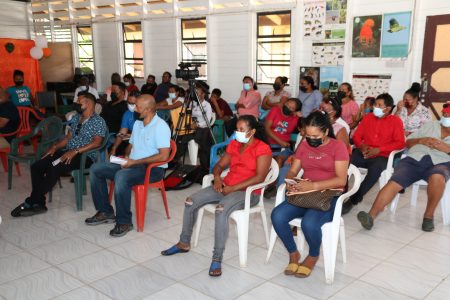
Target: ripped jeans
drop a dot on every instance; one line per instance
(225, 206)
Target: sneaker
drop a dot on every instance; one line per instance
(120, 230)
(101, 218)
(427, 224)
(27, 210)
(365, 219)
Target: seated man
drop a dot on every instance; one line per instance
(20, 94)
(378, 134)
(149, 143)
(86, 133)
(428, 159)
(126, 127)
(220, 106)
(112, 112)
(9, 119)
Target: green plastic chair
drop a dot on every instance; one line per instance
(48, 131)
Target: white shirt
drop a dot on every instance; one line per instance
(344, 124)
(197, 113)
(91, 90)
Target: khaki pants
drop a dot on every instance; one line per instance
(3, 143)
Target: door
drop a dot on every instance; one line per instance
(436, 63)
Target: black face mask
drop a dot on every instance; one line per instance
(314, 142)
(137, 116)
(114, 96)
(276, 86)
(18, 83)
(303, 89)
(341, 94)
(286, 111)
(78, 109)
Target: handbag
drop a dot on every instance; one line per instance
(320, 200)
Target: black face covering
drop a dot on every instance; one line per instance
(114, 96)
(78, 109)
(303, 89)
(341, 94)
(18, 82)
(286, 111)
(314, 142)
(137, 116)
(276, 86)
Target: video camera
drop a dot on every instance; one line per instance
(184, 72)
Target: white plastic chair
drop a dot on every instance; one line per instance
(332, 231)
(241, 217)
(193, 146)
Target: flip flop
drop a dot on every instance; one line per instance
(173, 250)
(303, 272)
(291, 269)
(215, 265)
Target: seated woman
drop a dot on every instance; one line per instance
(129, 81)
(413, 114)
(174, 101)
(248, 158)
(126, 127)
(428, 159)
(325, 162)
(278, 96)
(350, 108)
(333, 109)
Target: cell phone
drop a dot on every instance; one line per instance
(55, 162)
(290, 181)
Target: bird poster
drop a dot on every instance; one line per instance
(368, 85)
(330, 79)
(395, 36)
(328, 54)
(366, 36)
(314, 19)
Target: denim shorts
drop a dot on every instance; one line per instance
(409, 170)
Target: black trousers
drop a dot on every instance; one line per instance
(375, 166)
(44, 175)
(202, 137)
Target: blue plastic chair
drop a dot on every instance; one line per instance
(214, 156)
(263, 113)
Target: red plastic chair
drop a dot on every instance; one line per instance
(4, 153)
(140, 191)
(25, 126)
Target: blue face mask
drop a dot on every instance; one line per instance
(247, 86)
(378, 112)
(445, 121)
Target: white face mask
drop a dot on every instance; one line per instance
(131, 107)
(172, 95)
(445, 121)
(378, 112)
(127, 83)
(241, 138)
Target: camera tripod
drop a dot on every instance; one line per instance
(184, 123)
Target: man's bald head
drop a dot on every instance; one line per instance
(145, 105)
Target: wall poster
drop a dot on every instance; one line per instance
(314, 19)
(366, 36)
(314, 72)
(330, 79)
(328, 54)
(365, 85)
(395, 37)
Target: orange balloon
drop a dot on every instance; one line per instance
(47, 52)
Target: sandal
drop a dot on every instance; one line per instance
(303, 271)
(291, 269)
(173, 250)
(215, 266)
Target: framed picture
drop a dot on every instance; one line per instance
(330, 79)
(314, 72)
(395, 35)
(366, 36)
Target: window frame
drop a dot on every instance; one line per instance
(83, 43)
(202, 62)
(132, 60)
(275, 62)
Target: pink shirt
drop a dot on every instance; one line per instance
(252, 101)
(319, 163)
(349, 110)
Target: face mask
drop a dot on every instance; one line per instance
(18, 82)
(172, 95)
(303, 89)
(342, 94)
(114, 96)
(241, 138)
(131, 107)
(407, 105)
(276, 86)
(127, 83)
(367, 110)
(445, 121)
(137, 116)
(78, 108)
(286, 111)
(247, 86)
(314, 142)
(378, 112)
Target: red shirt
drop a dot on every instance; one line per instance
(319, 163)
(282, 125)
(384, 133)
(132, 88)
(243, 165)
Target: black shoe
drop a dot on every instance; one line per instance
(100, 218)
(270, 191)
(121, 229)
(402, 191)
(27, 210)
(365, 219)
(347, 207)
(427, 225)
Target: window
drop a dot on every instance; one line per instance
(273, 46)
(193, 43)
(133, 50)
(85, 49)
(62, 33)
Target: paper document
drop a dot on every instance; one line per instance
(117, 160)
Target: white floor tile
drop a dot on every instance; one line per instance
(178, 291)
(83, 293)
(363, 290)
(368, 245)
(18, 265)
(140, 249)
(273, 291)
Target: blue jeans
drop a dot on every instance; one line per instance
(312, 221)
(124, 180)
(282, 173)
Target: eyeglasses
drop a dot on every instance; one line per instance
(77, 130)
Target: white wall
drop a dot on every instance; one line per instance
(14, 20)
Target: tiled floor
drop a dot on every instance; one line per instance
(56, 256)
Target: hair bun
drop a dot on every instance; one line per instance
(415, 87)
